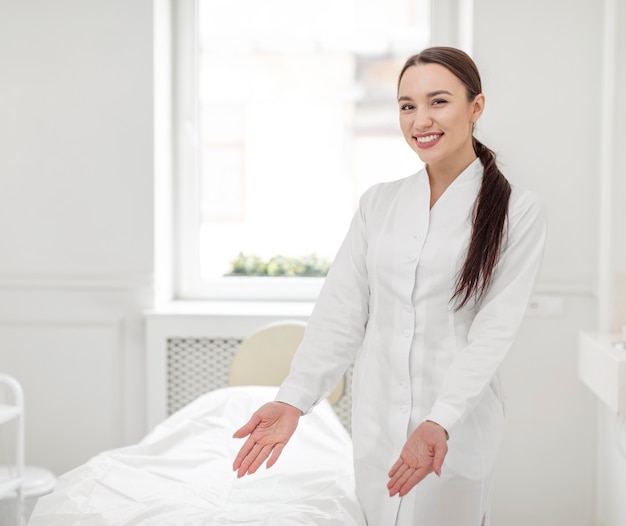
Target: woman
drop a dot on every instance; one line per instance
(425, 295)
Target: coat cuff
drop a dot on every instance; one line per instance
(443, 415)
(295, 397)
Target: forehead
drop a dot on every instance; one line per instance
(427, 78)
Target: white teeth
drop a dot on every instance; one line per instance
(428, 138)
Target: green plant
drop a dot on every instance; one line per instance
(253, 265)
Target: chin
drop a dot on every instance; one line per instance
(426, 158)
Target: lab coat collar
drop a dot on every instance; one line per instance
(471, 174)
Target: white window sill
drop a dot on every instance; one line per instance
(233, 308)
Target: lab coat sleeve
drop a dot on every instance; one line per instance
(499, 315)
(336, 327)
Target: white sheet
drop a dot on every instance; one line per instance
(181, 474)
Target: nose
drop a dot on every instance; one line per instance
(423, 120)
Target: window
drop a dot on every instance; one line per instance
(284, 114)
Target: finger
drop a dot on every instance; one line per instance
(398, 472)
(395, 467)
(278, 449)
(440, 455)
(246, 429)
(243, 453)
(416, 477)
(249, 459)
(397, 483)
(263, 453)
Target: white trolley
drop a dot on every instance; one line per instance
(12, 410)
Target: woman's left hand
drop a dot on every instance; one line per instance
(422, 454)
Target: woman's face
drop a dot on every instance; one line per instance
(435, 116)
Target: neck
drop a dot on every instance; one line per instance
(444, 172)
(441, 175)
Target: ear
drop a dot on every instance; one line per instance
(478, 105)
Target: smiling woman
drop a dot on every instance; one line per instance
(425, 296)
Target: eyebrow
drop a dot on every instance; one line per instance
(428, 95)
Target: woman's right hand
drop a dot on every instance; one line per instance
(269, 430)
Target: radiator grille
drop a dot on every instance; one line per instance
(198, 365)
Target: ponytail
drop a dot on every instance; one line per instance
(489, 219)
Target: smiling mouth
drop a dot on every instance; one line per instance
(427, 141)
(428, 138)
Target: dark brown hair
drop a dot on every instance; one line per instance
(489, 217)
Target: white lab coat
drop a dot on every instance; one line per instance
(386, 306)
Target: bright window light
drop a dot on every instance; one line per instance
(286, 115)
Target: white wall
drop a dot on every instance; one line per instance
(75, 219)
(76, 227)
(542, 67)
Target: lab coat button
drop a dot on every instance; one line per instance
(408, 308)
(404, 385)
(404, 408)
(406, 332)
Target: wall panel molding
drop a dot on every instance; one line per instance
(90, 283)
(89, 336)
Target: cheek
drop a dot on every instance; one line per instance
(461, 124)
(405, 126)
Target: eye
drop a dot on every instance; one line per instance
(439, 102)
(407, 107)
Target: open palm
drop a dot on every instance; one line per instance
(422, 454)
(268, 431)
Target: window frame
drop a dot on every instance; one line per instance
(185, 282)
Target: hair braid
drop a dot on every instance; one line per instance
(488, 227)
